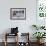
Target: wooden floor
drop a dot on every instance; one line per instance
(13, 44)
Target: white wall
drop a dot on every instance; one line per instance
(24, 25)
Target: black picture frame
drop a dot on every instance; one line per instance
(18, 13)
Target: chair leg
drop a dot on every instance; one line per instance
(5, 43)
(5, 39)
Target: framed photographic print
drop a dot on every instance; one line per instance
(18, 13)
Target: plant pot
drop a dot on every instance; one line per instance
(40, 41)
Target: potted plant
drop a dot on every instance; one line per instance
(39, 35)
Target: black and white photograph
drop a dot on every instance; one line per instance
(18, 13)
